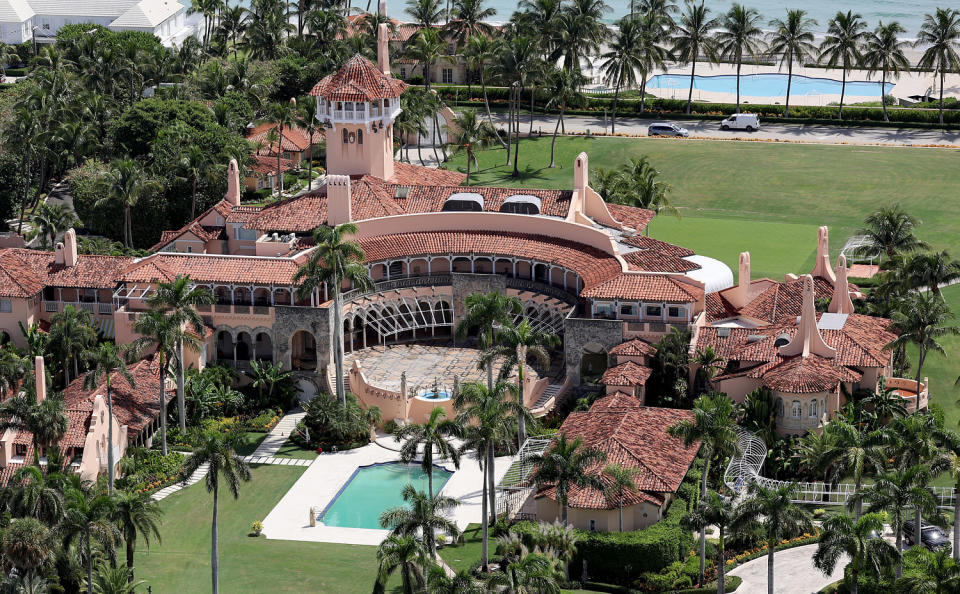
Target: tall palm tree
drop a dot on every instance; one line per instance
(619, 478)
(49, 221)
(532, 572)
(426, 48)
(564, 90)
(516, 60)
(936, 573)
(137, 516)
(425, 13)
(406, 553)
(125, 183)
(307, 120)
(284, 115)
(940, 33)
(951, 464)
(45, 421)
(106, 361)
(715, 510)
(217, 451)
(842, 535)
(180, 298)
(485, 412)
(37, 494)
(478, 52)
(334, 261)
(581, 31)
(792, 39)
(487, 312)
(883, 52)
(468, 21)
(622, 60)
(157, 331)
(28, 544)
(72, 333)
(88, 518)
(194, 165)
(890, 229)
(857, 452)
(740, 34)
(652, 52)
(713, 425)
(514, 344)
(424, 515)
(931, 270)
(693, 38)
(843, 46)
(772, 512)
(922, 321)
(468, 133)
(436, 433)
(566, 465)
(266, 377)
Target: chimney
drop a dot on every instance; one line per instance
(70, 248)
(822, 266)
(383, 45)
(58, 253)
(233, 183)
(338, 200)
(740, 294)
(581, 173)
(841, 301)
(808, 339)
(40, 377)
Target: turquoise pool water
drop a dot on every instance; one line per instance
(374, 489)
(767, 85)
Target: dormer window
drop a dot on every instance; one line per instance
(464, 202)
(521, 204)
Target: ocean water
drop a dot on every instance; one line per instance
(768, 85)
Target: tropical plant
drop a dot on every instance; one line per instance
(934, 573)
(87, 519)
(306, 118)
(843, 46)
(479, 51)
(485, 312)
(693, 38)
(564, 86)
(527, 573)
(330, 421)
(49, 221)
(468, 133)
(423, 515)
(890, 229)
(138, 517)
(269, 378)
(714, 510)
(157, 331)
(107, 361)
(45, 421)
(406, 553)
(29, 546)
(125, 183)
(883, 52)
(334, 260)
(619, 478)
(792, 40)
(623, 59)
(436, 433)
(425, 13)
(114, 580)
(739, 34)
(36, 494)
(71, 334)
(940, 35)
(566, 465)
(426, 48)
(857, 452)
(637, 183)
(223, 464)
(931, 270)
(922, 321)
(194, 165)
(469, 20)
(843, 535)
(581, 31)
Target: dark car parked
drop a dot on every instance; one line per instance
(932, 537)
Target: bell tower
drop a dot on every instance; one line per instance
(358, 106)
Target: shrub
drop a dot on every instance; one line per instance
(17, 72)
(149, 470)
(256, 528)
(332, 424)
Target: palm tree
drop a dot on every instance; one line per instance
(479, 51)
(651, 52)
(532, 572)
(105, 361)
(856, 452)
(891, 229)
(45, 421)
(842, 535)
(931, 270)
(7, 56)
(114, 580)
(514, 344)
(125, 183)
(426, 48)
(425, 13)
(469, 18)
(940, 33)
(487, 312)
(709, 365)
(49, 221)
(36, 494)
(564, 466)
(485, 413)
(883, 52)
(713, 425)
(623, 60)
(436, 433)
(895, 493)
(693, 38)
(739, 35)
(88, 518)
(335, 260)
(424, 515)
(266, 376)
(217, 452)
(714, 510)
(194, 164)
(406, 553)
(29, 545)
(951, 462)
(307, 119)
(619, 479)
(137, 516)
(772, 512)
(564, 91)
(233, 23)
(581, 31)
(157, 331)
(284, 115)
(179, 298)
(438, 582)
(13, 366)
(921, 321)
(843, 45)
(792, 39)
(72, 333)
(936, 573)
(469, 134)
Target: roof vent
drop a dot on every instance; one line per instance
(781, 340)
(401, 192)
(755, 338)
(723, 332)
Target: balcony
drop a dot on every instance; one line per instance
(97, 308)
(915, 394)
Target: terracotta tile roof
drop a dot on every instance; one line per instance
(294, 138)
(806, 375)
(91, 272)
(634, 348)
(626, 374)
(78, 425)
(631, 216)
(718, 308)
(649, 243)
(242, 214)
(401, 32)
(8, 472)
(430, 198)
(652, 261)
(592, 265)
(641, 286)
(209, 268)
(202, 232)
(17, 279)
(358, 80)
(618, 401)
(408, 174)
(635, 438)
(267, 165)
(781, 302)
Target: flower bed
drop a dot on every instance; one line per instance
(151, 471)
(757, 552)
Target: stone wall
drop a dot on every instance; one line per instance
(578, 332)
(465, 284)
(316, 320)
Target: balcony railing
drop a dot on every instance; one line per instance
(93, 307)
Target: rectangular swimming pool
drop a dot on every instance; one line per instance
(371, 490)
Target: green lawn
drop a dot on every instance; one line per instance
(465, 554)
(249, 442)
(292, 450)
(182, 562)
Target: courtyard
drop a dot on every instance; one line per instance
(424, 365)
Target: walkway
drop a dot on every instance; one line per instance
(278, 436)
(793, 570)
(170, 490)
(254, 459)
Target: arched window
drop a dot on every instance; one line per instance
(796, 409)
(813, 408)
(359, 136)
(346, 137)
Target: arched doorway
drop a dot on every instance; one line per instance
(224, 346)
(263, 347)
(593, 361)
(303, 351)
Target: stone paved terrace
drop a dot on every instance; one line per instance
(423, 363)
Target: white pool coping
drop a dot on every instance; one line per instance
(322, 481)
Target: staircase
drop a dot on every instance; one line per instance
(272, 443)
(548, 400)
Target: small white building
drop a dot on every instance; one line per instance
(24, 20)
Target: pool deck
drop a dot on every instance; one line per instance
(320, 483)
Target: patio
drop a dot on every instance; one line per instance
(424, 364)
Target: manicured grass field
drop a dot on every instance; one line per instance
(249, 442)
(292, 450)
(182, 562)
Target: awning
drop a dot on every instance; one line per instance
(104, 327)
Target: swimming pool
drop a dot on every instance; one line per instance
(371, 490)
(766, 85)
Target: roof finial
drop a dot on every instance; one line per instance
(841, 301)
(808, 340)
(822, 266)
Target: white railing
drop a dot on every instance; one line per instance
(93, 307)
(514, 488)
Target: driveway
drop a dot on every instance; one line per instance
(793, 570)
(784, 132)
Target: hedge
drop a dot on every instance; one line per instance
(732, 583)
(16, 72)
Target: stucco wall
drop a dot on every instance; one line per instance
(635, 517)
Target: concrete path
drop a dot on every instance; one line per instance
(274, 440)
(794, 573)
(192, 480)
(254, 459)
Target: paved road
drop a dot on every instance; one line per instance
(794, 573)
(786, 132)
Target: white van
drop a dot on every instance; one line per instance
(741, 121)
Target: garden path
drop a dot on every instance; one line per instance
(794, 572)
(274, 440)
